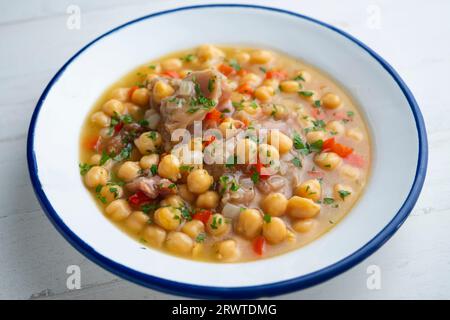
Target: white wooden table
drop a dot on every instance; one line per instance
(35, 42)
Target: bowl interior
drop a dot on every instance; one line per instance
(393, 130)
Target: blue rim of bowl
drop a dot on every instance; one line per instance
(270, 289)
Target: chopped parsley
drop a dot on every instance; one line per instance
(317, 103)
(267, 218)
(84, 168)
(234, 64)
(264, 70)
(238, 105)
(114, 191)
(211, 84)
(234, 186)
(297, 162)
(143, 123)
(200, 237)
(350, 114)
(316, 146)
(149, 207)
(186, 167)
(154, 169)
(125, 153)
(306, 93)
(98, 195)
(105, 157)
(214, 223)
(127, 119)
(186, 213)
(344, 193)
(255, 177)
(328, 200)
(152, 135)
(188, 58)
(299, 78)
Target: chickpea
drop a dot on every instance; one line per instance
(304, 225)
(327, 160)
(274, 204)
(264, 93)
(193, 228)
(310, 189)
(208, 52)
(140, 97)
(261, 57)
(101, 119)
(250, 78)
(208, 200)
(314, 136)
(179, 243)
(152, 76)
(246, 151)
(184, 73)
(268, 154)
(305, 75)
(169, 167)
(113, 107)
(251, 108)
(118, 210)
(199, 181)
(171, 64)
(174, 201)
(148, 142)
(121, 94)
(136, 221)
(96, 176)
(350, 172)
(242, 57)
(217, 225)
(154, 235)
(161, 90)
(148, 161)
(250, 223)
(355, 134)
(227, 250)
(277, 111)
(168, 218)
(274, 231)
(227, 128)
(335, 127)
(342, 192)
(331, 101)
(289, 86)
(299, 207)
(111, 192)
(95, 159)
(273, 83)
(280, 141)
(135, 111)
(185, 194)
(129, 170)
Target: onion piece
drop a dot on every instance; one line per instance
(231, 211)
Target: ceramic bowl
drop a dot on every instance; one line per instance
(395, 122)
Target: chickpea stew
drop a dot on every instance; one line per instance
(225, 154)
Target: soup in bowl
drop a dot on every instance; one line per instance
(225, 154)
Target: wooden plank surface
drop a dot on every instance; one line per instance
(35, 42)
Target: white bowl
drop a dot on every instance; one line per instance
(396, 125)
